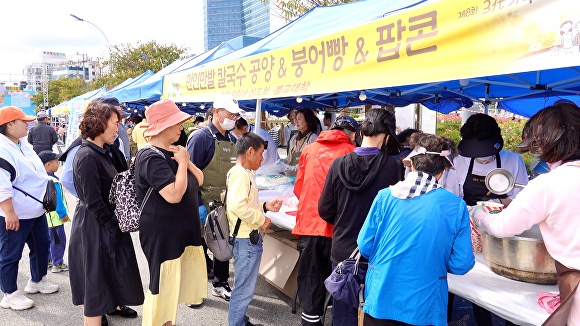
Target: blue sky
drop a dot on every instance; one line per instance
(33, 26)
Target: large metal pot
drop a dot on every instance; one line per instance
(523, 257)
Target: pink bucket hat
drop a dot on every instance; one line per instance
(162, 115)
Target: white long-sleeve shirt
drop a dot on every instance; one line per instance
(30, 177)
(551, 201)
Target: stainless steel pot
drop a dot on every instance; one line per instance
(523, 257)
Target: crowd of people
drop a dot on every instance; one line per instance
(414, 192)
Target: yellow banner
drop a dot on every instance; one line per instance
(440, 41)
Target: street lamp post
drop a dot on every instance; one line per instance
(86, 21)
(106, 38)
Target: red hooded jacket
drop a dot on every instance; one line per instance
(313, 167)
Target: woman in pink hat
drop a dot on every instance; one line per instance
(170, 231)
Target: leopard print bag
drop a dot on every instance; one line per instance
(123, 195)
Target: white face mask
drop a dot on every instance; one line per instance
(227, 124)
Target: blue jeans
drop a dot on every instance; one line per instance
(247, 257)
(57, 250)
(33, 232)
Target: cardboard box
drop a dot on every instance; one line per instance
(280, 261)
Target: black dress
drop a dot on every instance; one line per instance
(170, 237)
(103, 266)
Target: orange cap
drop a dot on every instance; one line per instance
(11, 113)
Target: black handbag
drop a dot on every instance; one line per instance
(49, 200)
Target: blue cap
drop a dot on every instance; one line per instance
(345, 122)
(114, 102)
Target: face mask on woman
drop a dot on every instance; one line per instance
(227, 124)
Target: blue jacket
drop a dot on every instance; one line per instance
(411, 245)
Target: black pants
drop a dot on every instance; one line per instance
(221, 269)
(370, 321)
(313, 268)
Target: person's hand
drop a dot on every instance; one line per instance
(291, 170)
(274, 205)
(266, 225)
(180, 154)
(65, 218)
(12, 221)
(473, 214)
(505, 202)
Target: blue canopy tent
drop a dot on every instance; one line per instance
(118, 91)
(317, 22)
(529, 105)
(138, 95)
(476, 57)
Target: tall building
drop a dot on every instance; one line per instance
(56, 65)
(224, 20)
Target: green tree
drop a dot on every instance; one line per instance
(61, 90)
(127, 61)
(292, 9)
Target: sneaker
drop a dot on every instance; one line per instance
(222, 290)
(59, 268)
(43, 287)
(16, 301)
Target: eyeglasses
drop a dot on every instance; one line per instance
(232, 116)
(419, 150)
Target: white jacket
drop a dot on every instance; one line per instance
(30, 177)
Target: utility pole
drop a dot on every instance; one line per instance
(44, 81)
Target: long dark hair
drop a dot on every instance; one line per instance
(311, 120)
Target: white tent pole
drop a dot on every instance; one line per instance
(258, 122)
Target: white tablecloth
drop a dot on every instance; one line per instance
(281, 219)
(512, 300)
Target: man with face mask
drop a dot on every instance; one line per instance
(212, 149)
(316, 234)
(357, 178)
